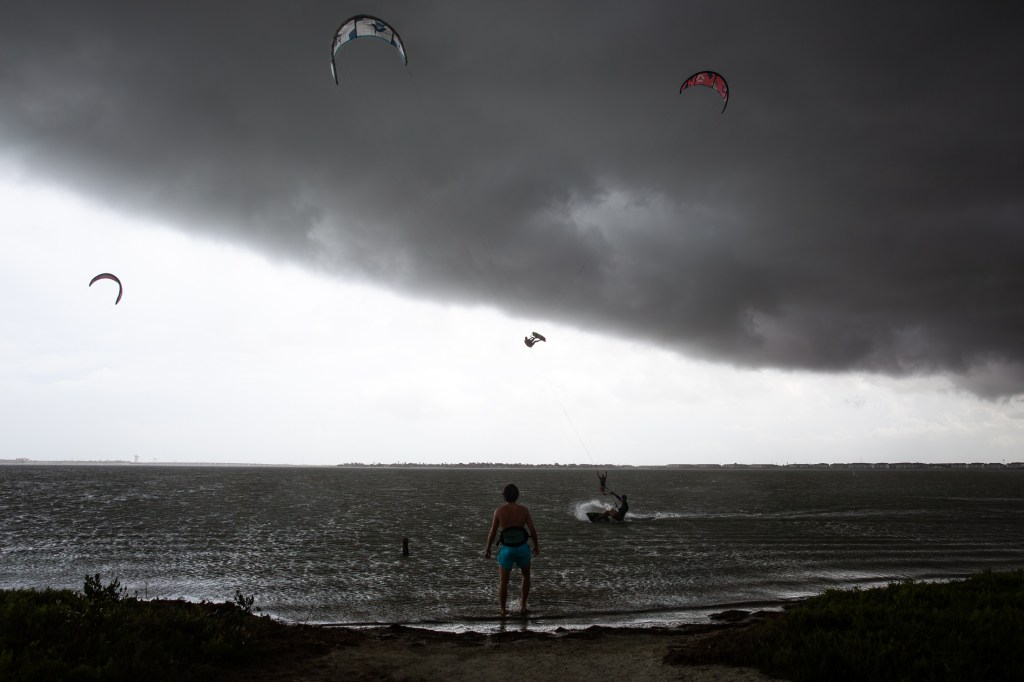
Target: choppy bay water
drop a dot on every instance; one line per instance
(323, 545)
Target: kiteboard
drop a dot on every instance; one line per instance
(597, 517)
(539, 337)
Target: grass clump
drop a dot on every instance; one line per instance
(105, 634)
(969, 629)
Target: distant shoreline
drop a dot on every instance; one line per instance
(506, 465)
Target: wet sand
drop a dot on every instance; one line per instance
(320, 653)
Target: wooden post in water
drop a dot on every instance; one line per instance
(405, 546)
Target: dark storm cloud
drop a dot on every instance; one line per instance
(858, 205)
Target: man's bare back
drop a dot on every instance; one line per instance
(512, 515)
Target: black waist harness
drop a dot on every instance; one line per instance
(513, 537)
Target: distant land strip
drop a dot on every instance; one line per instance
(556, 465)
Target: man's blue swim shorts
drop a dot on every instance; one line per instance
(514, 556)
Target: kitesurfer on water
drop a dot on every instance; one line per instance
(602, 481)
(513, 519)
(621, 508)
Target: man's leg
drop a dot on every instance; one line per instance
(526, 589)
(502, 589)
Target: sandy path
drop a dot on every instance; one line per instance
(408, 654)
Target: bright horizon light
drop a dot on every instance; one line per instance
(219, 354)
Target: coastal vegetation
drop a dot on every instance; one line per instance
(102, 633)
(968, 629)
(957, 630)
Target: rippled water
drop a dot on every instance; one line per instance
(324, 544)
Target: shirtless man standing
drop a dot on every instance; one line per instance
(513, 519)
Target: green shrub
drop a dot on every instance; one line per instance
(243, 602)
(962, 630)
(96, 593)
(102, 634)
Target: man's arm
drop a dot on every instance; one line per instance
(490, 536)
(533, 533)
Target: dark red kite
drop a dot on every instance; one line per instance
(711, 79)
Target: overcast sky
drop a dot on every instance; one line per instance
(830, 270)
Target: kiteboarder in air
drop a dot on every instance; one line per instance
(602, 481)
(620, 512)
(532, 339)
